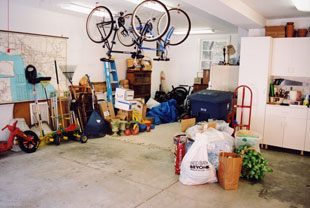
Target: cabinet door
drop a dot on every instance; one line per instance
(281, 57)
(307, 141)
(273, 132)
(254, 68)
(300, 57)
(294, 133)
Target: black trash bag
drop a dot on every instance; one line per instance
(96, 126)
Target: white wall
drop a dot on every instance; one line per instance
(185, 58)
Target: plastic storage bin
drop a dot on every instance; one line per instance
(207, 104)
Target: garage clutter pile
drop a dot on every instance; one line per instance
(207, 148)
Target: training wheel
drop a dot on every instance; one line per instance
(83, 138)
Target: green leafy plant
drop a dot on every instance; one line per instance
(254, 165)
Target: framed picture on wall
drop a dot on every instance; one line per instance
(211, 51)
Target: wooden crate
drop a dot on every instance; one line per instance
(275, 31)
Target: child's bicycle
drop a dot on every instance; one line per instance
(28, 141)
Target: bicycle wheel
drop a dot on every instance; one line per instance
(125, 33)
(149, 12)
(99, 24)
(180, 26)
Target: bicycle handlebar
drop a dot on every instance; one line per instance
(11, 128)
(5, 127)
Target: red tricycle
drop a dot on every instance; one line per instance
(28, 141)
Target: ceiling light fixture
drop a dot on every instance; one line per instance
(195, 32)
(302, 5)
(82, 9)
(154, 7)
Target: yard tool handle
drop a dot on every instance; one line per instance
(56, 72)
(60, 105)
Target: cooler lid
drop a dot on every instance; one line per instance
(212, 96)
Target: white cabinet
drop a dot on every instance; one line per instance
(290, 57)
(224, 77)
(294, 133)
(274, 129)
(285, 127)
(307, 141)
(254, 70)
(281, 56)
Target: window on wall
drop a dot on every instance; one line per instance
(212, 52)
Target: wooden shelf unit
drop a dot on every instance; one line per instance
(140, 82)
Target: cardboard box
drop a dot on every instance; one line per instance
(141, 107)
(275, 31)
(127, 105)
(208, 125)
(124, 115)
(230, 165)
(124, 83)
(131, 65)
(197, 80)
(124, 94)
(186, 123)
(107, 111)
(100, 86)
(206, 76)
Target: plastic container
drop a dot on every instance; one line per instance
(208, 104)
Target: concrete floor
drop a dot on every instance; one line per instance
(137, 171)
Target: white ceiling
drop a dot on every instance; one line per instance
(200, 17)
(272, 9)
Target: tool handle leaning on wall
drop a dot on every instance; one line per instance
(60, 105)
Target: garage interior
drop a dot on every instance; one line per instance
(219, 119)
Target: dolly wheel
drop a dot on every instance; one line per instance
(57, 139)
(83, 138)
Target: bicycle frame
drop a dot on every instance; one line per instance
(138, 41)
(162, 46)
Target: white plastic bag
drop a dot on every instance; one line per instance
(217, 142)
(195, 167)
(252, 141)
(151, 103)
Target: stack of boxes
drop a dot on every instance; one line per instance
(124, 101)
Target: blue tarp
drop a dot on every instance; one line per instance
(166, 112)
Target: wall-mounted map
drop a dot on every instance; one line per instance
(6, 68)
(25, 49)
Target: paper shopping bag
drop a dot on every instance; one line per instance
(230, 165)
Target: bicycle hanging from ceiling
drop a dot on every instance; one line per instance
(151, 21)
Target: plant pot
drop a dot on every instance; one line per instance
(302, 32)
(290, 29)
